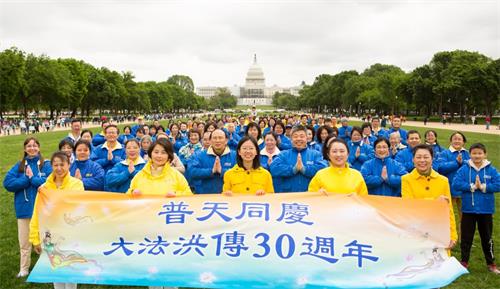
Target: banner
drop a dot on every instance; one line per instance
(299, 240)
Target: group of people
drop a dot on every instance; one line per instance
(258, 156)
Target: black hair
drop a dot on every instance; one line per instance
(195, 131)
(328, 144)
(134, 140)
(477, 145)
(358, 129)
(279, 123)
(365, 125)
(59, 155)
(75, 120)
(166, 144)
(66, 142)
(84, 142)
(85, 131)
(127, 126)
(423, 147)
(459, 133)
(253, 124)
(379, 140)
(275, 136)
(256, 159)
(320, 130)
(141, 130)
(412, 131)
(208, 124)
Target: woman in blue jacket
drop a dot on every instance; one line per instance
(126, 135)
(359, 152)
(477, 181)
(450, 161)
(269, 153)
(89, 172)
(383, 174)
(284, 142)
(119, 177)
(431, 139)
(23, 179)
(255, 131)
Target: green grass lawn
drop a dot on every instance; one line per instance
(11, 151)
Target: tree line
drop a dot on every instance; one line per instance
(29, 82)
(461, 82)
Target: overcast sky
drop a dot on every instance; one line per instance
(214, 41)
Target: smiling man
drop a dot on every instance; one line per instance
(296, 167)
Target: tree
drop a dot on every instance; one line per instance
(222, 99)
(80, 80)
(12, 78)
(185, 82)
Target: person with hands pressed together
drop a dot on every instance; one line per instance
(207, 167)
(296, 167)
(111, 151)
(478, 181)
(119, 177)
(86, 170)
(24, 179)
(247, 177)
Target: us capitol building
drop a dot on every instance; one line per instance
(254, 92)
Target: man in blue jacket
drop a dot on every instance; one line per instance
(345, 130)
(405, 157)
(111, 151)
(233, 136)
(297, 166)
(206, 168)
(396, 126)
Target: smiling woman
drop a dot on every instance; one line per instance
(247, 177)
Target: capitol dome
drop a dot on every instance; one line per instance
(255, 76)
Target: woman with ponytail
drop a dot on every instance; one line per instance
(23, 179)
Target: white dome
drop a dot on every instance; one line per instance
(255, 75)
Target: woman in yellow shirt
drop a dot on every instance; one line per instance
(425, 183)
(338, 177)
(247, 177)
(59, 179)
(158, 177)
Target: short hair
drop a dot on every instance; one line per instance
(412, 132)
(256, 159)
(328, 144)
(75, 120)
(365, 125)
(423, 147)
(253, 124)
(127, 126)
(82, 142)
(59, 155)
(195, 131)
(459, 133)
(299, 128)
(478, 145)
(167, 146)
(146, 137)
(66, 142)
(104, 121)
(112, 126)
(134, 140)
(379, 140)
(358, 129)
(274, 135)
(279, 123)
(87, 131)
(141, 130)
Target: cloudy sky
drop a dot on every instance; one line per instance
(214, 41)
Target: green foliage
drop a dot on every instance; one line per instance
(32, 82)
(222, 99)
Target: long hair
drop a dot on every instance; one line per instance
(22, 163)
